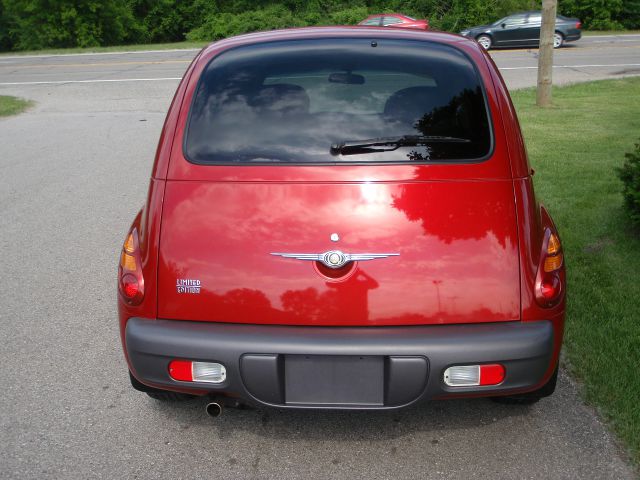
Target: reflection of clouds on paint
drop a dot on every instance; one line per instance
(286, 213)
(464, 277)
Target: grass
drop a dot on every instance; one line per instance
(117, 48)
(575, 147)
(12, 105)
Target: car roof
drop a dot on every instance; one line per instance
(336, 32)
(532, 12)
(389, 14)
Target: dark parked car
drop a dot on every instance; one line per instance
(342, 218)
(394, 20)
(523, 30)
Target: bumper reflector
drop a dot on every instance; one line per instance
(491, 374)
(209, 372)
(462, 375)
(187, 371)
(474, 375)
(180, 370)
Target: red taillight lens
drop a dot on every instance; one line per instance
(491, 374)
(579, 25)
(550, 288)
(130, 286)
(181, 370)
(131, 281)
(549, 281)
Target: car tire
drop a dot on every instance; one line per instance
(531, 397)
(558, 40)
(157, 394)
(485, 41)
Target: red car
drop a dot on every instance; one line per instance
(394, 20)
(342, 218)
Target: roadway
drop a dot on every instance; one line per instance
(74, 170)
(591, 58)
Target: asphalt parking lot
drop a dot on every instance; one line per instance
(74, 172)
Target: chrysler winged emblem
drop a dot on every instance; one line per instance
(335, 258)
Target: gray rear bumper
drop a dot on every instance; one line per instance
(414, 357)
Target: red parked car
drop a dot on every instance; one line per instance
(394, 20)
(342, 218)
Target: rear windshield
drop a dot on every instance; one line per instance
(338, 101)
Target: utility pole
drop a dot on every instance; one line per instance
(545, 53)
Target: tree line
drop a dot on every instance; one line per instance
(38, 24)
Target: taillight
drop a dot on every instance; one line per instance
(130, 280)
(549, 282)
(188, 371)
(474, 375)
(579, 25)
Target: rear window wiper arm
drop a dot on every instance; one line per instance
(388, 144)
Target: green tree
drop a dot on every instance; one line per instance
(629, 15)
(35, 24)
(629, 173)
(5, 41)
(170, 20)
(595, 14)
(225, 24)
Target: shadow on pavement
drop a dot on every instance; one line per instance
(341, 425)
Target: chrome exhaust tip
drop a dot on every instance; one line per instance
(214, 409)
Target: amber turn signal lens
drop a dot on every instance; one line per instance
(131, 281)
(128, 262)
(129, 245)
(554, 245)
(551, 264)
(550, 278)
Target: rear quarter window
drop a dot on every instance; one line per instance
(334, 101)
(371, 21)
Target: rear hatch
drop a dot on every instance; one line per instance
(456, 243)
(256, 190)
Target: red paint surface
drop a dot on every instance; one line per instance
(456, 263)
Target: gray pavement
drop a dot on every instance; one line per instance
(74, 171)
(591, 58)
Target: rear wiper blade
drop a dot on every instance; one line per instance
(388, 144)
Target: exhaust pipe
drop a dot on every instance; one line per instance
(214, 409)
